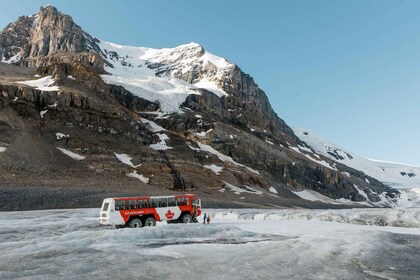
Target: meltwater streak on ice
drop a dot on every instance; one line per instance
(409, 218)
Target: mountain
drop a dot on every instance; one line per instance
(404, 177)
(397, 175)
(93, 119)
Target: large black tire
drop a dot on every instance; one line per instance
(135, 223)
(186, 219)
(150, 222)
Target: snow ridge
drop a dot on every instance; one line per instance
(396, 175)
(164, 75)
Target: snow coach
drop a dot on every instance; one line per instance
(137, 212)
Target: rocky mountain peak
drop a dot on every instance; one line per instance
(44, 37)
(14, 38)
(55, 32)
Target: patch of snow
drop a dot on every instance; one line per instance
(193, 148)
(198, 116)
(53, 105)
(170, 93)
(269, 142)
(44, 84)
(273, 190)
(126, 159)
(361, 192)
(60, 135)
(71, 154)
(162, 144)
(385, 218)
(42, 113)
(71, 77)
(315, 196)
(14, 58)
(203, 133)
(2, 149)
(321, 162)
(134, 174)
(210, 86)
(154, 127)
(391, 162)
(242, 189)
(223, 157)
(15, 99)
(409, 198)
(219, 62)
(346, 173)
(216, 169)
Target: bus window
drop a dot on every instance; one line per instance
(153, 203)
(163, 202)
(180, 201)
(119, 205)
(105, 208)
(142, 203)
(131, 204)
(171, 201)
(187, 201)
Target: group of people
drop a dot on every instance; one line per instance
(206, 218)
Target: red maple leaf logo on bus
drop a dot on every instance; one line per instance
(169, 214)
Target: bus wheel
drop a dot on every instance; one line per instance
(150, 222)
(135, 223)
(186, 218)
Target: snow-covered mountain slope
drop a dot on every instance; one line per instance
(167, 75)
(396, 175)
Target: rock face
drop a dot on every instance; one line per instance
(14, 38)
(54, 32)
(224, 134)
(47, 37)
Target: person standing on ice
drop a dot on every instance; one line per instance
(208, 219)
(205, 218)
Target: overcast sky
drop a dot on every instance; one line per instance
(346, 70)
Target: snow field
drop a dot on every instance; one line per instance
(238, 244)
(45, 84)
(134, 174)
(126, 159)
(161, 145)
(406, 218)
(131, 70)
(71, 154)
(389, 173)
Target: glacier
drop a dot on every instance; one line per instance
(237, 244)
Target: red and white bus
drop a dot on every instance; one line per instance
(142, 211)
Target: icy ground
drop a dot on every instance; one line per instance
(238, 244)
